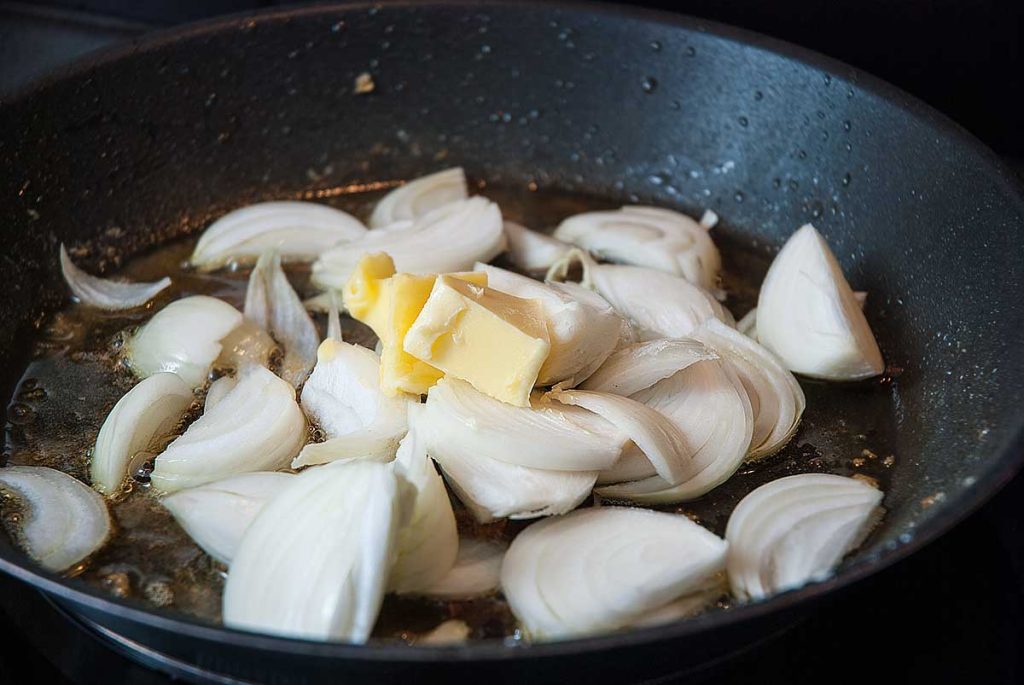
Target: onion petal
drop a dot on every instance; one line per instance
(641, 365)
(272, 304)
(428, 542)
(314, 562)
(601, 569)
(808, 315)
(146, 414)
(298, 231)
(184, 338)
(256, 426)
(795, 530)
(775, 396)
(477, 571)
(216, 515)
(450, 238)
(650, 237)
(104, 293)
(420, 196)
(532, 251)
(62, 522)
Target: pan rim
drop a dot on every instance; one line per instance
(1010, 453)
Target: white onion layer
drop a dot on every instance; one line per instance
(62, 522)
(147, 413)
(647, 236)
(298, 231)
(272, 304)
(776, 398)
(532, 251)
(315, 561)
(477, 571)
(216, 515)
(796, 530)
(808, 315)
(420, 196)
(104, 293)
(600, 569)
(256, 426)
(450, 238)
(344, 398)
(427, 542)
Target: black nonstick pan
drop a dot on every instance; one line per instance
(157, 136)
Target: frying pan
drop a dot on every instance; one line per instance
(157, 136)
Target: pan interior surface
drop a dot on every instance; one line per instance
(149, 143)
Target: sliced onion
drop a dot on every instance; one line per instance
(315, 561)
(344, 398)
(216, 515)
(583, 329)
(104, 293)
(62, 521)
(450, 238)
(601, 569)
(685, 607)
(412, 200)
(298, 231)
(708, 403)
(533, 251)
(650, 237)
(451, 632)
(256, 426)
(184, 338)
(661, 441)
(808, 314)
(775, 396)
(641, 365)
(658, 304)
(272, 304)
(468, 423)
(148, 413)
(218, 390)
(427, 542)
(748, 324)
(477, 571)
(333, 317)
(795, 530)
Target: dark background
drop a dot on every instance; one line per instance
(953, 613)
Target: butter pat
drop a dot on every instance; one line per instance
(494, 341)
(367, 292)
(389, 303)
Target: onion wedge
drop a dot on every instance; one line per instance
(420, 196)
(298, 231)
(344, 398)
(775, 396)
(532, 251)
(62, 522)
(450, 238)
(314, 562)
(641, 365)
(601, 569)
(709, 404)
(147, 413)
(650, 237)
(216, 515)
(795, 530)
(427, 542)
(477, 571)
(271, 303)
(256, 426)
(677, 309)
(808, 315)
(184, 338)
(104, 293)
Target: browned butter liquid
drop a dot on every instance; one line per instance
(75, 377)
